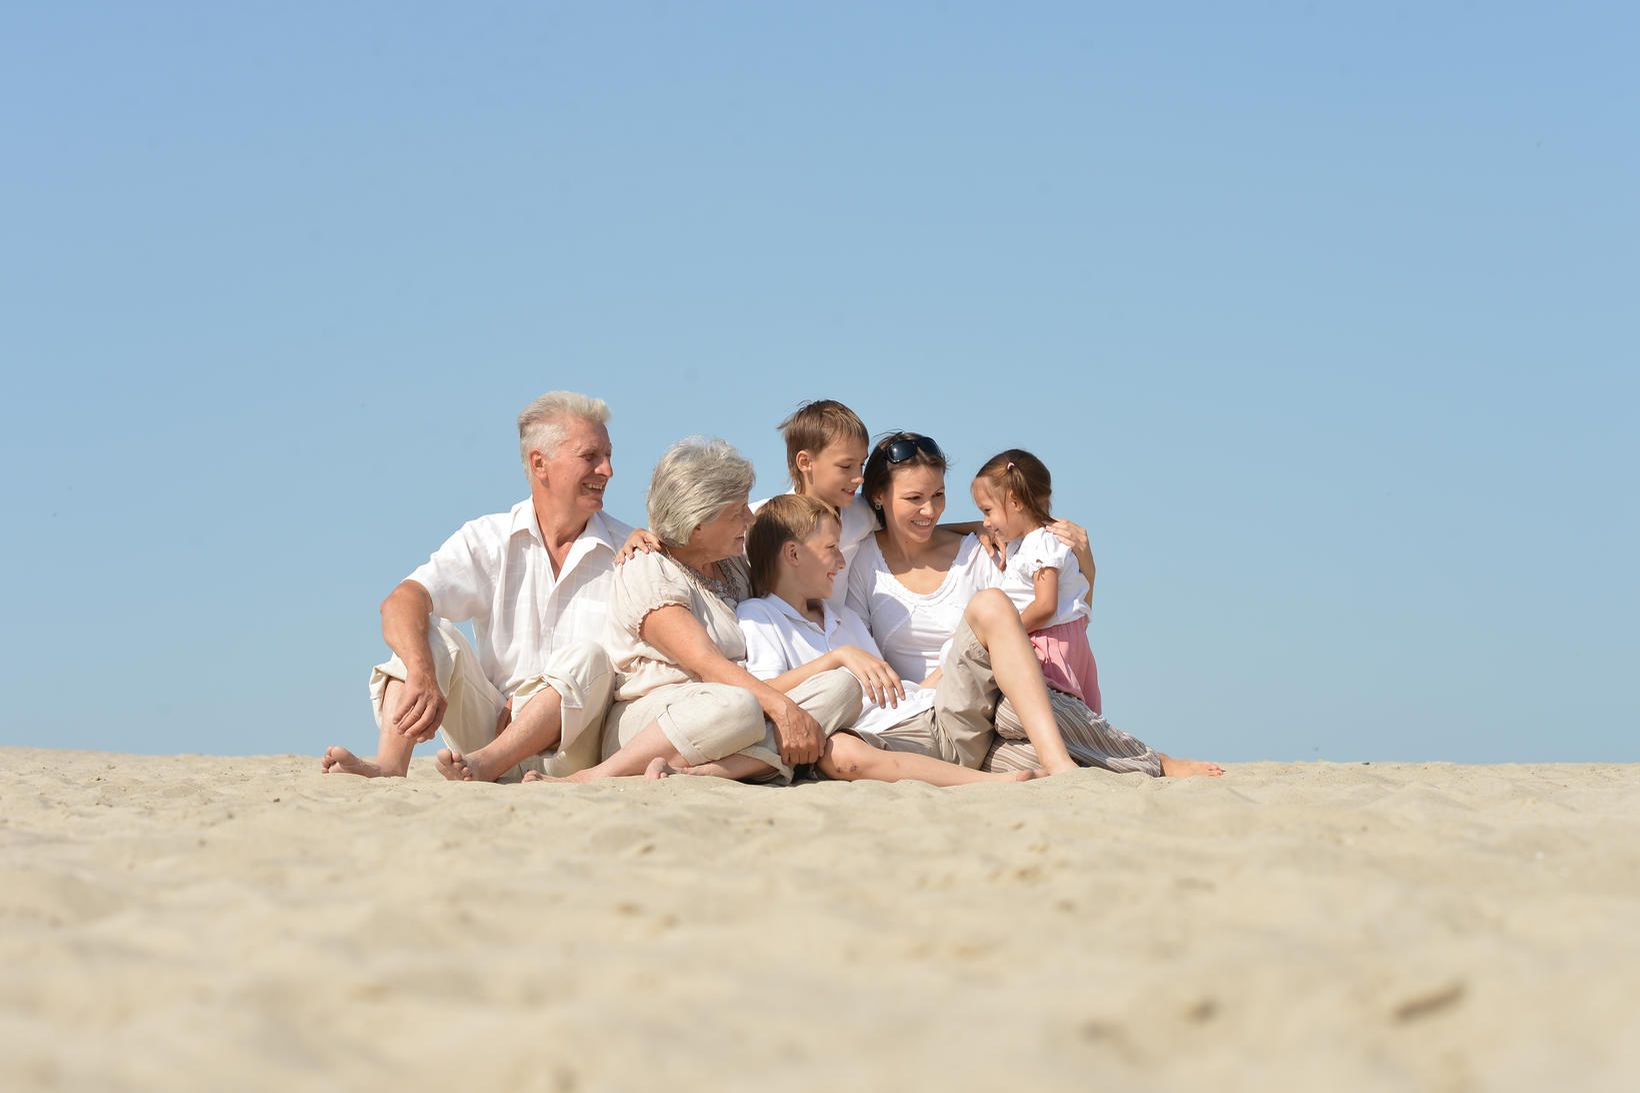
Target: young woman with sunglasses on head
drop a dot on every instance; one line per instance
(927, 593)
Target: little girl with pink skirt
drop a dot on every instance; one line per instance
(1042, 577)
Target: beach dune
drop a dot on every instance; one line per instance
(246, 923)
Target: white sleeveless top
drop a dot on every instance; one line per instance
(912, 629)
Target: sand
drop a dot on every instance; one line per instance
(246, 923)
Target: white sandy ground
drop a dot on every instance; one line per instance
(198, 922)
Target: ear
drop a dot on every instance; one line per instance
(538, 465)
(804, 461)
(788, 551)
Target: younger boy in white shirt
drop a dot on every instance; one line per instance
(792, 632)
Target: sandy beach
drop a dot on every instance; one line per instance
(211, 923)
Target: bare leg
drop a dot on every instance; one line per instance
(392, 750)
(1189, 768)
(736, 768)
(638, 755)
(849, 759)
(536, 729)
(995, 622)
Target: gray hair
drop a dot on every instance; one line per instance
(695, 480)
(543, 424)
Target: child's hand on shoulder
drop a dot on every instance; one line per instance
(641, 541)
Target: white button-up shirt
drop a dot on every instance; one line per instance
(779, 638)
(496, 572)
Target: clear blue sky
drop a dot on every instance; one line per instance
(1324, 320)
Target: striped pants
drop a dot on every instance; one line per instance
(1091, 740)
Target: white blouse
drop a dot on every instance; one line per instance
(913, 629)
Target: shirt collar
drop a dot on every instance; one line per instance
(827, 614)
(597, 529)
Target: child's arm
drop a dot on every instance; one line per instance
(987, 542)
(1041, 610)
(881, 681)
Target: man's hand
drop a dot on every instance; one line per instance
(639, 542)
(421, 708)
(881, 681)
(800, 736)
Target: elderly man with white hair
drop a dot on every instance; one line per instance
(531, 692)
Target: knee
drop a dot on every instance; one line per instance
(987, 608)
(742, 719)
(583, 662)
(844, 759)
(839, 696)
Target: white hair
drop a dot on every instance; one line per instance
(695, 480)
(543, 424)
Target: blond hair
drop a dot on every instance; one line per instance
(791, 517)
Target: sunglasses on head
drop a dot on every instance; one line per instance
(902, 450)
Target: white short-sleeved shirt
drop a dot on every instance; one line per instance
(1029, 555)
(912, 629)
(496, 572)
(858, 524)
(779, 638)
(650, 581)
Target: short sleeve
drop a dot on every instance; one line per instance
(862, 572)
(456, 577)
(765, 657)
(1038, 551)
(643, 584)
(858, 522)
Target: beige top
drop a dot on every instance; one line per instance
(649, 581)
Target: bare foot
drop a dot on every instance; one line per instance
(1190, 768)
(657, 769)
(453, 765)
(338, 760)
(537, 776)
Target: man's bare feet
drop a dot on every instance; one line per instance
(1190, 768)
(453, 765)
(657, 769)
(338, 760)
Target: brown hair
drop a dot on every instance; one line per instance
(880, 472)
(1022, 474)
(815, 424)
(791, 517)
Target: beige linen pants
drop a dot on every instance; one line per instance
(579, 672)
(711, 721)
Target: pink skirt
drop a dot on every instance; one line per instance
(1067, 661)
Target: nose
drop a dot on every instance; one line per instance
(606, 466)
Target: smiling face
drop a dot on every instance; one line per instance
(724, 535)
(835, 472)
(913, 502)
(811, 565)
(1004, 516)
(574, 476)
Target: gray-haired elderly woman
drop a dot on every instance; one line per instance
(684, 698)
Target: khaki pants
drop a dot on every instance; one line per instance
(580, 673)
(711, 721)
(958, 727)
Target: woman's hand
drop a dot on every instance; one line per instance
(800, 736)
(639, 542)
(994, 545)
(881, 681)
